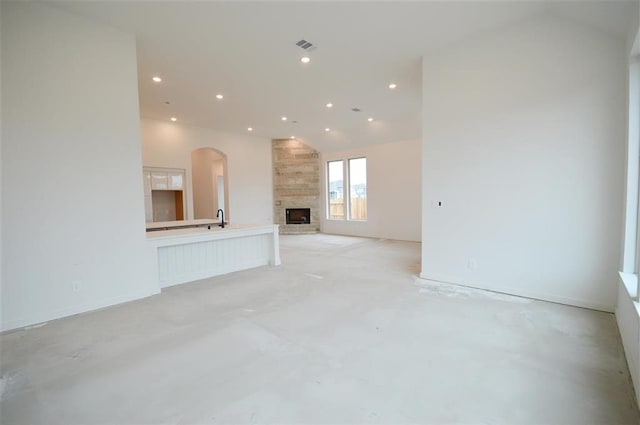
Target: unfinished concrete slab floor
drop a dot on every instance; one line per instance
(342, 333)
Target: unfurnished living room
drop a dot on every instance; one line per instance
(327, 212)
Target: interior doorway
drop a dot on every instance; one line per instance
(210, 183)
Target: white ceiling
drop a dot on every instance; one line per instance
(247, 52)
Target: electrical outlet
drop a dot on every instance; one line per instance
(473, 264)
(436, 204)
(76, 285)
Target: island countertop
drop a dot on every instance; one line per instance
(155, 225)
(182, 234)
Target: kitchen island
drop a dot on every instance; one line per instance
(187, 254)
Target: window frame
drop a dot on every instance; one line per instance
(328, 191)
(346, 188)
(630, 261)
(634, 160)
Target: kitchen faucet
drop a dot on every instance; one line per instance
(218, 216)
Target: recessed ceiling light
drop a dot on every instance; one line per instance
(329, 105)
(157, 79)
(219, 96)
(370, 119)
(327, 129)
(249, 128)
(392, 86)
(305, 59)
(174, 119)
(293, 137)
(283, 118)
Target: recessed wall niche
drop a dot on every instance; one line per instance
(296, 184)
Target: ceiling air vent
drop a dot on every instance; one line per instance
(304, 44)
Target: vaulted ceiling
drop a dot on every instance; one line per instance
(247, 52)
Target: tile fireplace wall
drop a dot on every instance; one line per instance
(296, 183)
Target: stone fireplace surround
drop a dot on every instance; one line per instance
(296, 184)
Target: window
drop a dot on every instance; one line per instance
(634, 149)
(352, 204)
(336, 190)
(358, 189)
(631, 253)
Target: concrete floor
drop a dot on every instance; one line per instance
(342, 332)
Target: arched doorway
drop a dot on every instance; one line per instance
(210, 183)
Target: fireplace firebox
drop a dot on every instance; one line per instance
(298, 215)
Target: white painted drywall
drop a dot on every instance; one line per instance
(73, 211)
(523, 143)
(393, 192)
(633, 35)
(201, 185)
(218, 186)
(205, 200)
(167, 144)
(1, 172)
(164, 205)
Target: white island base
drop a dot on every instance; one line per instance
(185, 255)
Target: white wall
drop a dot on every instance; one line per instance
(633, 35)
(73, 212)
(167, 144)
(1, 172)
(393, 192)
(219, 198)
(523, 142)
(204, 164)
(164, 205)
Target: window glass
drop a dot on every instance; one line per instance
(335, 171)
(358, 189)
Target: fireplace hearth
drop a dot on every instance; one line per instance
(298, 215)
